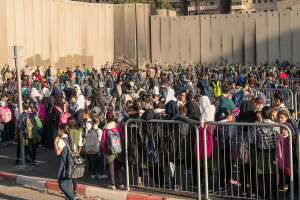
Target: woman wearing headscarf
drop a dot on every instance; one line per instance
(79, 98)
(170, 95)
(155, 90)
(97, 107)
(240, 141)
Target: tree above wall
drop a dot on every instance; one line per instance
(160, 4)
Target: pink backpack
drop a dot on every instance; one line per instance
(63, 114)
(282, 158)
(209, 144)
(42, 112)
(5, 114)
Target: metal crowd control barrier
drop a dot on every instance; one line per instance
(291, 83)
(269, 92)
(161, 151)
(262, 156)
(297, 105)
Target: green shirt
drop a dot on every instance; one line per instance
(85, 70)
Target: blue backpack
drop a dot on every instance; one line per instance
(241, 79)
(206, 89)
(150, 147)
(50, 81)
(237, 98)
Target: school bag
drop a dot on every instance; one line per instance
(87, 91)
(39, 125)
(217, 89)
(63, 115)
(113, 142)
(209, 143)
(68, 85)
(151, 149)
(113, 77)
(31, 128)
(92, 144)
(237, 98)
(282, 159)
(97, 112)
(10, 87)
(206, 89)
(24, 91)
(5, 114)
(75, 163)
(42, 112)
(50, 81)
(241, 79)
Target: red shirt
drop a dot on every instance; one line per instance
(282, 75)
(37, 75)
(42, 84)
(112, 73)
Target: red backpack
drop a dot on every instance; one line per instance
(42, 112)
(209, 143)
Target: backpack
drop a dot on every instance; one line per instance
(39, 125)
(113, 77)
(63, 114)
(68, 84)
(282, 159)
(10, 87)
(98, 113)
(114, 142)
(206, 88)
(31, 128)
(5, 114)
(217, 89)
(231, 69)
(24, 91)
(87, 91)
(81, 74)
(241, 79)
(50, 81)
(209, 143)
(237, 98)
(151, 149)
(42, 112)
(75, 163)
(92, 144)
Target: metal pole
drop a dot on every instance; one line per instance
(205, 164)
(20, 101)
(198, 163)
(126, 154)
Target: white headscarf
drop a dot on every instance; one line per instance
(208, 115)
(35, 93)
(155, 90)
(170, 95)
(45, 92)
(79, 100)
(204, 101)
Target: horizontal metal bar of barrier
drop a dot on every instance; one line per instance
(268, 92)
(255, 126)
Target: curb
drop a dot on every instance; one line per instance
(85, 190)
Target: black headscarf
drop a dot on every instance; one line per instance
(247, 113)
(193, 110)
(96, 101)
(171, 110)
(147, 127)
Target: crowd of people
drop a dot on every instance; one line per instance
(66, 117)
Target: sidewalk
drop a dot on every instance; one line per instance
(45, 177)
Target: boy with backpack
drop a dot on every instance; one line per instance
(215, 84)
(203, 85)
(93, 149)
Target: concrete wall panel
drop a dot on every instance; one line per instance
(185, 50)
(273, 37)
(69, 35)
(175, 40)
(76, 35)
(38, 36)
(119, 30)
(95, 24)
(20, 29)
(102, 34)
(141, 39)
(296, 37)
(29, 36)
(250, 51)
(286, 49)
(3, 36)
(195, 39)
(238, 38)
(227, 47)
(261, 38)
(46, 33)
(54, 33)
(205, 39)
(10, 22)
(61, 14)
(89, 34)
(83, 30)
(130, 32)
(147, 31)
(216, 39)
(110, 31)
(155, 39)
(165, 41)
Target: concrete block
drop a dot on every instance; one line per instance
(31, 181)
(106, 193)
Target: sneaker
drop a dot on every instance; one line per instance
(102, 176)
(193, 185)
(172, 169)
(121, 187)
(162, 186)
(111, 187)
(178, 188)
(76, 193)
(35, 164)
(187, 171)
(88, 172)
(93, 176)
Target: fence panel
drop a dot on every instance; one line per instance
(269, 92)
(255, 156)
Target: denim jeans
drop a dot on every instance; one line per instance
(65, 184)
(85, 77)
(78, 80)
(108, 92)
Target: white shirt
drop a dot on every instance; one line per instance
(61, 144)
(99, 132)
(88, 125)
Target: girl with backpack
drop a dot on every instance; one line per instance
(60, 146)
(87, 126)
(59, 108)
(111, 141)
(76, 136)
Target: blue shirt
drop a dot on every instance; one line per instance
(77, 72)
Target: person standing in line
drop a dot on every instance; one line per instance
(85, 71)
(48, 72)
(78, 75)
